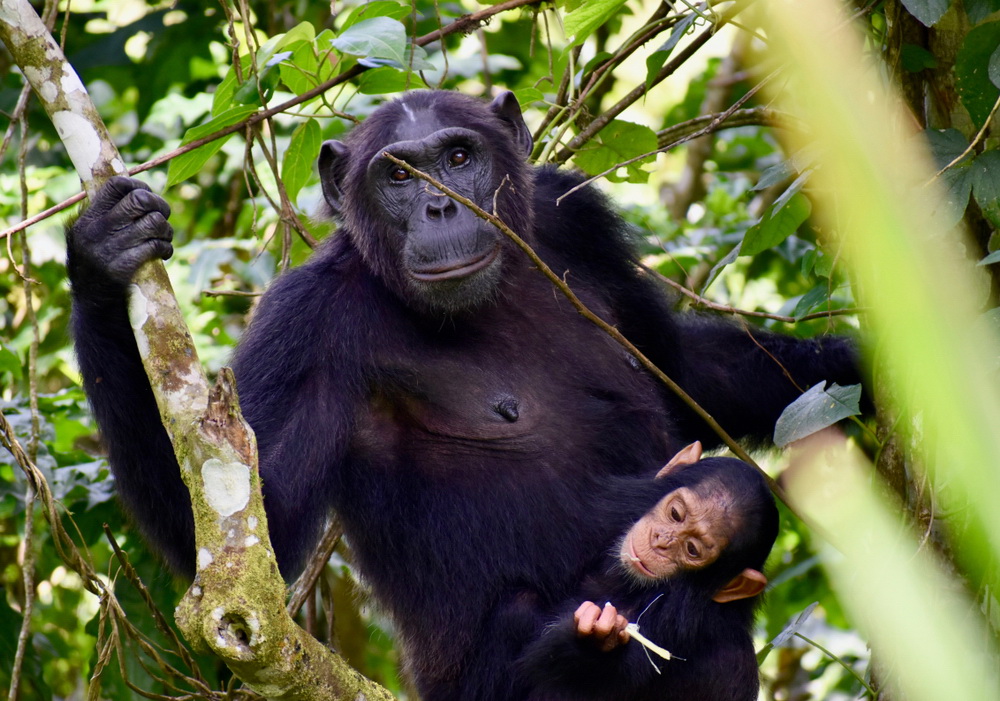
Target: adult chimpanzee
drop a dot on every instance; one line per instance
(688, 571)
(422, 378)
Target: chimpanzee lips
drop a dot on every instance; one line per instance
(637, 562)
(455, 269)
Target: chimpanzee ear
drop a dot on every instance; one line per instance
(688, 455)
(744, 585)
(331, 155)
(506, 107)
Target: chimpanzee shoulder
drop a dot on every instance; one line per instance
(583, 227)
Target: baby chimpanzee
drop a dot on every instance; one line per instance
(688, 572)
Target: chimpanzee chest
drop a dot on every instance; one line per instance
(454, 406)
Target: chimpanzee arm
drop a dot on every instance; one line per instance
(745, 376)
(124, 227)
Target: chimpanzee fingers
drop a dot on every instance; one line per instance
(111, 193)
(138, 208)
(605, 628)
(131, 259)
(623, 634)
(618, 635)
(586, 616)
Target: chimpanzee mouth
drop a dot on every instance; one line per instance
(637, 561)
(456, 270)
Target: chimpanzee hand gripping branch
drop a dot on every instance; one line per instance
(419, 376)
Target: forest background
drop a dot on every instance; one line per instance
(708, 130)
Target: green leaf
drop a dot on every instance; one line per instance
(186, 165)
(811, 299)
(303, 31)
(297, 166)
(655, 61)
(957, 182)
(583, 21)
(986, 185)
(719, 267)
(916, 58)
(994, 67)
(990, 259)
(927, 11)
(617, 143)
(226, 92)
(327, 58)
(780, 221)
(380, 41)
(786, 634)
(387, 80)
(597, 60)
(972, 74)
(986, 178)
(380, 8)
(946, 145)
(777, 173)
(815, 410)
(9, 362)
(526, 96)
(299, 71)
(978, 10)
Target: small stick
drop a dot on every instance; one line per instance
(633, 630)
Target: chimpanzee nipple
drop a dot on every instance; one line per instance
(507, 408)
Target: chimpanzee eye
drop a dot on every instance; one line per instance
(400, 175)
(692, 549)
(675, 514)
(458, 157)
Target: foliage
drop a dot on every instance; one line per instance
(238, 100)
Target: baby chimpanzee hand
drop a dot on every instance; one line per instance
(604, 626)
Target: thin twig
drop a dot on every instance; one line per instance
(28, 561)
(715, 306)
(306, 582)
(28, 578)
(972, 144)
(161, 622)
(753, 116)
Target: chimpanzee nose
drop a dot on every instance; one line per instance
(662, 539)
(443, 209)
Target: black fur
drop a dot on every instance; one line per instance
(462, 445)
(714, 639)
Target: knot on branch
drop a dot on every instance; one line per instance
(223, 421)
(236, 635)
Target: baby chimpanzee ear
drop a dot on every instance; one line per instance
(687, 456)
(746, 584)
